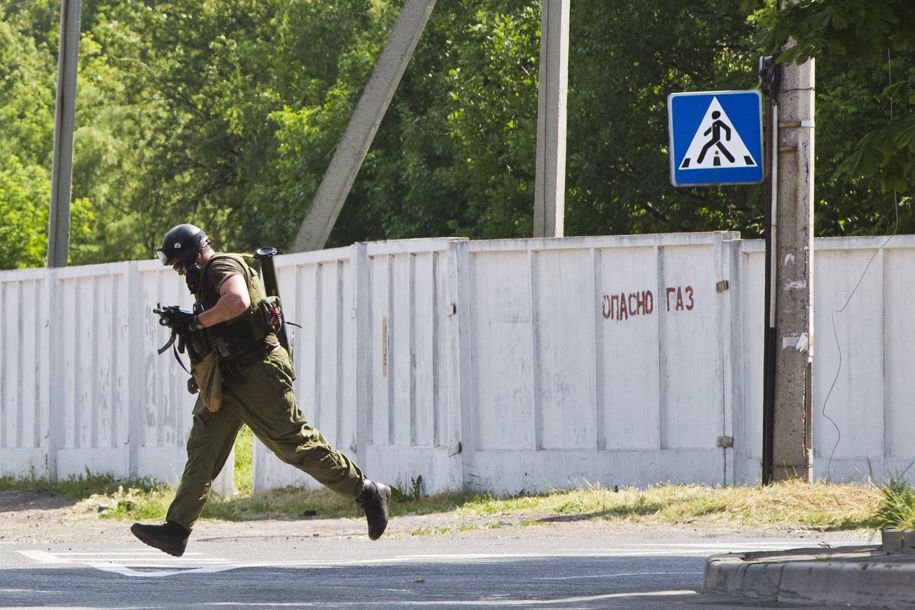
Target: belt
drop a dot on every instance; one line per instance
(246, 358)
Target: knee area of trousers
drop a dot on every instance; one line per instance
(307, 458)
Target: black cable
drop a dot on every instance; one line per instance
(835, 332)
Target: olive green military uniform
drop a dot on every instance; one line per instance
(257, 391)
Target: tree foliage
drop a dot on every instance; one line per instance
(626, 58)
(226, 113)
(27, 115)
(23, 220)
(865, 53)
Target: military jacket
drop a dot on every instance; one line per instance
(249, 331)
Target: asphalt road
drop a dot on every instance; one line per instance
(421, 571)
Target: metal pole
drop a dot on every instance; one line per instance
(550, 179)
(64, 119)
(338, 179)
(770, 77)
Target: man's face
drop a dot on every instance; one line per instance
(181, 266)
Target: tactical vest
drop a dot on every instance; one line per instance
(252, 329)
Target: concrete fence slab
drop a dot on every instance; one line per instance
(499, 365)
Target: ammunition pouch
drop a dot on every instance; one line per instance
(272, 310)
(208, 379)
(197, 344)
(247, 332)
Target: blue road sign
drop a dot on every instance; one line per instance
(715, 137)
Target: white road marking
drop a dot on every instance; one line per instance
(616, 575)
(129, 571)
(127, 563)
(43, 557)
(140, 552)
(150, 563)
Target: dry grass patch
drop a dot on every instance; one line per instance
(818, 505)
(784, 505)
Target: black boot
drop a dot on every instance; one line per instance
(171, 537)
(374, 500)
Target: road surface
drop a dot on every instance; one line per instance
(532, 567)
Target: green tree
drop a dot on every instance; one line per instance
(865, 53)
(26, 97)
(625, 59)
(27, 82)
(26, 117)
(227, 112)
(238, 84)
(24, 193)
(455, 152)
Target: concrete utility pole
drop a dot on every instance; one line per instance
(64, 119)
(350, 153)
(550, 181)
(792, 450)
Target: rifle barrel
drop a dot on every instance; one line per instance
(272, 287)
(268, 270)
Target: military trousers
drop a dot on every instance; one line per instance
(261, 396)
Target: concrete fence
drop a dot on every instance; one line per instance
(82, 388)
(863, 400)
(500, 365)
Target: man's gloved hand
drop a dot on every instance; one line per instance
(185, 322)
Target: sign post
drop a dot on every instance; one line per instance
(716, 138)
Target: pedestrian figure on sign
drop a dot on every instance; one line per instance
(715, 131)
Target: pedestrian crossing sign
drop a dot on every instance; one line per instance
(715, 137)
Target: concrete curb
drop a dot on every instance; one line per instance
(846, 576)
(898, 540)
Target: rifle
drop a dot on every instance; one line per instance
(169, 316)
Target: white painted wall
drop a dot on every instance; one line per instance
(82, 387)
(864, 347)
(501, 365)
(24, 370)
(598, 359)
(374, 332)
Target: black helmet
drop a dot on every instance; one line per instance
(182, 243)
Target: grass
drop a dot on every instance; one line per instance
(785, 505)
(127, 502)
(791, 504)
(74, 487)
(244, 447)
(897, 508)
